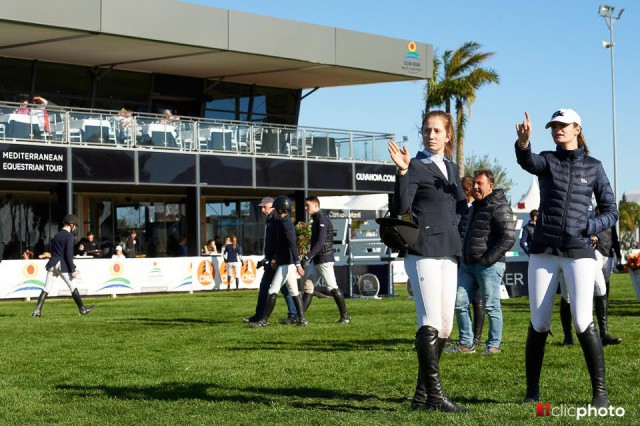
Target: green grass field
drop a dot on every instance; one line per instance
(188, 359)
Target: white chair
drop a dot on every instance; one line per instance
(75, 135)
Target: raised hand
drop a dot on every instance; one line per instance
(524, 131)
(400, 156)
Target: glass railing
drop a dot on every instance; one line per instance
(58, 125)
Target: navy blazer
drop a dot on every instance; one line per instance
(62, 251)
(270, 236)
(286, 251)
(435, 203)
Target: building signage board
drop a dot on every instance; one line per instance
(279, 173)
(375, 177)
(33, 162)
(329, 175)
(167, 168)
(102, 165)
(226, 170)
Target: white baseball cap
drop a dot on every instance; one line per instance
(564, 115)
(118, 248)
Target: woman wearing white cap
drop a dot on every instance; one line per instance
(118, 253)
(568, 178)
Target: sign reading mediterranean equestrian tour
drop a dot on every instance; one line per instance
(32, 162)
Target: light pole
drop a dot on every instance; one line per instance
(607, 13)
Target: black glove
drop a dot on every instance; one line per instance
(303, 261)
(261, 263)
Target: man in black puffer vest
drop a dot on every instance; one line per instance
(489, 235)
(320, 258)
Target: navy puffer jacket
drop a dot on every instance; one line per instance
(490, 230)
(567, 180)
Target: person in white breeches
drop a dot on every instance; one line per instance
(428, 188)
(569, 177)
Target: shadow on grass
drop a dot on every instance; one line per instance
(210, 392)
(392, 345)
(170, 321)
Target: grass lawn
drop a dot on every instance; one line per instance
(188, 359)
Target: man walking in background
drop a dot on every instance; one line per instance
(266, 206)
(320, 258)
(527, 231)
(61, 265)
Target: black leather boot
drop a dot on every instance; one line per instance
(601, 305)
(342, 306)
(84, 310)
(534, 354)
(478, 321)
(594, 356)
(565, 319)
(237, 284)
(268, 309)
(302, 320)
(307, 298)
(419, 401)
(428, 348)
(38, 311)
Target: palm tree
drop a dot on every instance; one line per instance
(463, 76)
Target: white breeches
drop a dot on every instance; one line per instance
(54, 273)
(434, 281)
(236, 267)
(285, 274)
(544, 275)
(603, 270)
(314, 272)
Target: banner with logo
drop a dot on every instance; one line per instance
(25, 278)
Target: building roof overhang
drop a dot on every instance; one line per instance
(171, 37)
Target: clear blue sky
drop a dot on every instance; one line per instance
(548, 55)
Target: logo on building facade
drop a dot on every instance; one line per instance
(411, 62)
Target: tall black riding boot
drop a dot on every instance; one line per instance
(307, 298)
(342, 306)
(237, 284)
(428, 349)
(534, 354)
(601, 305)
(84, 310)
(565, 319)
(419, 401)
(268, 309)
(594, 356)
(297, 300)
(38, 311)
(478, 321)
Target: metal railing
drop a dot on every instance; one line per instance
(122, 129)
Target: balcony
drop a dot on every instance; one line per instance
(140, 131)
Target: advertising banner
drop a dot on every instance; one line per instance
(26, 278)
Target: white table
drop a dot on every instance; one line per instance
(23, 126)
(161, 134)
(92, 129)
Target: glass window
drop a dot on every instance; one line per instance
(15, 79)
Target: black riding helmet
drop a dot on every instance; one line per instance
(71, 219)
(282, 204)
